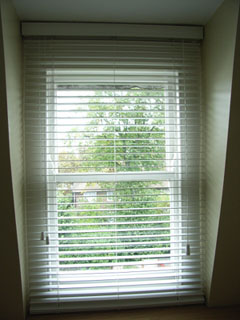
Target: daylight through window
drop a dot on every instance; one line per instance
(113, 174)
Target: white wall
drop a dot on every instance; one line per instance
(218, 60)
(12, 216)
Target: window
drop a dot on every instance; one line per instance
(113, 173)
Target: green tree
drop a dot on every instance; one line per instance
(124, 132)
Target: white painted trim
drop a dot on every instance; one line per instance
(111, 30)
(115, 177)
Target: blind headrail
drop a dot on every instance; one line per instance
(82, 29)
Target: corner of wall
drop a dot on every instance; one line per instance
(11, 105)
(218, 60)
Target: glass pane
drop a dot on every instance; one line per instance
(113, 131)
(110, 226)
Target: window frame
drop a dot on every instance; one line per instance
(170, 176)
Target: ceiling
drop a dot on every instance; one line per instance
(196, 12)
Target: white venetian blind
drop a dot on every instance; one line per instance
(113, 179)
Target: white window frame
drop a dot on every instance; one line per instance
(171, 176)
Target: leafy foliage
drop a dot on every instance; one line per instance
(122, 131)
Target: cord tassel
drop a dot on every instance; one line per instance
(188, 250)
